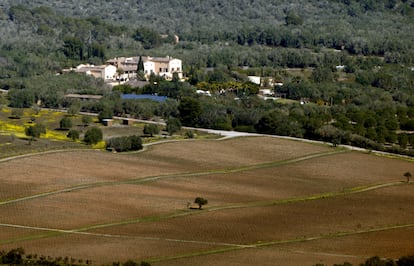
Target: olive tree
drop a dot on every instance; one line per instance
(200, 202)
(65, 123)
(151, 129)
(35, 131)
(86, 120)
(93, 136)
(173, 125)
(17, 113)
(74, 108)
(73, 134)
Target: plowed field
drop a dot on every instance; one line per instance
(270, 202)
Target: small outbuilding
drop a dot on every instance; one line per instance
(108, 122)
(127, 121)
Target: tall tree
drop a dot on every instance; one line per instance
(140, 69)
(173, 126)
(189, 111)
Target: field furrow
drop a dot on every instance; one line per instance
(268, 199)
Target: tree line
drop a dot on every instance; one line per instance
(18, 256)
(377, 261)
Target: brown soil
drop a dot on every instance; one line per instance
(166, 177)
(353, 249)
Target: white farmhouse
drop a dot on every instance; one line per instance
(105, 72)
(123, 69)
(161, 66)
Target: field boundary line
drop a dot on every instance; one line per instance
(186, 212)
(147, 179)
(326, 195)
(58, 232)
(31, 154)
(52, 232)
(280, 242)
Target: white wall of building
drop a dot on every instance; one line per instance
(109, 72)
(175, 66)
(254, 79)
(149, 67)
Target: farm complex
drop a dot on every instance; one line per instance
(271, 201)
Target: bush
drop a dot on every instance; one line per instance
(126, 143)
(73, 134)
(406, 261)
(93, 136)
(14, 256)
(65, 123)
(17, 113)
(189, 134)
(86, 120)
(151, 129)
(173, 126)
(35, 131)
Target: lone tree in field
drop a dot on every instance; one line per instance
(408, 175)
(200, 201)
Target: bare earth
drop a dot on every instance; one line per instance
(271, 201)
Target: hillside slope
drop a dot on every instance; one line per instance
(189, 16)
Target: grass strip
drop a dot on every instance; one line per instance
(155, 178)
(30, 237)
(185, 212)
(277, 242)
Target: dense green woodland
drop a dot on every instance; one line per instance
(368, 103)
